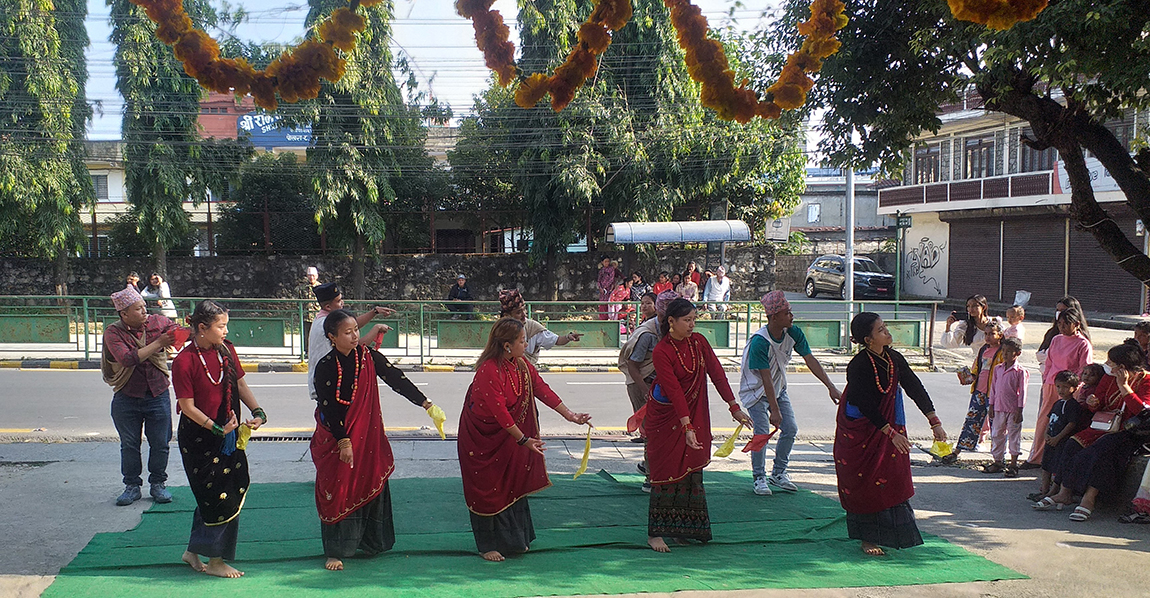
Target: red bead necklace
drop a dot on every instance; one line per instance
(518, 375)
(692, 349)
(214, 382)
(339, 379)
(890, 372)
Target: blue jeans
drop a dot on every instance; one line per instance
(154, 415)
(788, 429)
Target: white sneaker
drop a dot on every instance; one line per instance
(761, 487)
(783, 482)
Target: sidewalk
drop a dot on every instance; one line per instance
(61, 494)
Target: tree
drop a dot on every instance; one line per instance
(634, 144)
(43, 181)
(1066, 72)
(273, 194)
(161, 108)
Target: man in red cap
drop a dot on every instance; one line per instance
(135, 364)
(763, 388)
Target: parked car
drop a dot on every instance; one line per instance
(827, 274)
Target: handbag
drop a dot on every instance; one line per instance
(1107, 421)
(1138, 423)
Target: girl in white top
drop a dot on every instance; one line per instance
(971, 331)
(157, 290)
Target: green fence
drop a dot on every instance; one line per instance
(428, 329)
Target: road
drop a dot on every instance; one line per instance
(76, 403)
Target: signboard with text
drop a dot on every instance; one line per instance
(266, 132)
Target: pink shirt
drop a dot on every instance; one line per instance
(1067, 353)
(1015, 330)
(1008, 392)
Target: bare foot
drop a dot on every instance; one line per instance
(872, 549)
(217, 567)
(333, 565)
(193, 560)
(492, 556)
(658, 544)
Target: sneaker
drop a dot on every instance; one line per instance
(160, 494)
(761, 487)
(131, 494)
(783, 482)
(642, 467)
(647, 487)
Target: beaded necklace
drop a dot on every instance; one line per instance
(890, 371)
(200, 353)
(339, 378)
(692, 349)
(519, 375)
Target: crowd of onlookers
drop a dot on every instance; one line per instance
(617, 287)
(1092, 419)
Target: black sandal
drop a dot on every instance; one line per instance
(994, 467)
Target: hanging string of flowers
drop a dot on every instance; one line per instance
(294, 75)
(707, 62)
(492, 37)
(996, 14)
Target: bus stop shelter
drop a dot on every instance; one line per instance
(715, 233)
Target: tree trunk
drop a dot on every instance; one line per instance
(160, 260)
(552, 284)
(357, 278)
(61, 272)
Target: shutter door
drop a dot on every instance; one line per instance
(1035, 252)
(1095, 279)
(973, 259)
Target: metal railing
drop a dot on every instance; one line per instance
(425, 330)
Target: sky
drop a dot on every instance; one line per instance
(439, 44)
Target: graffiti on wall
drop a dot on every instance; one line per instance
(923, 263)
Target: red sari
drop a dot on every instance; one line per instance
(681, 370)
(496, 470)
(340, 490)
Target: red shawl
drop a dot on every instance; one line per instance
(872, 474)
(681, 370)
(340, 489)
(496, 470)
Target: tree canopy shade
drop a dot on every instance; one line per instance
(1079, 63)
(272, 197)
(43, 181)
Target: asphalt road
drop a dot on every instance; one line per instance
(76, 403)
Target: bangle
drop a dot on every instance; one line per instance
(343, 443)
(689, 427)
(934, 421)
(733, 406)
(523, 440)
(259, 412)
(217, 430)
(888, 430)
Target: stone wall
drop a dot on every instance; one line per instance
(791, 270)
(425, 276)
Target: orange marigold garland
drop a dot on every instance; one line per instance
(295, 74)
(493, 38)
(996, 14)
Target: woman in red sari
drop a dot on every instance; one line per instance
(349, 448)
(678, 426)
(500, 452)
(872, 452)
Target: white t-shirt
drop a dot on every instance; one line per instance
(317, 347)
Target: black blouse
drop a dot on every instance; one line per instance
(331, 411)
(865, 395)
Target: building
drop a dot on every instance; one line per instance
(989, 215)
(821, 214)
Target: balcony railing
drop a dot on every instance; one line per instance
(1015, 185)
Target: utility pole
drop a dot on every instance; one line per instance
(849, 283)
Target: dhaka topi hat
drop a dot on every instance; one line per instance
(774, 302)
(663, 300)
(126, 298)
(509, 301)
(325, 292)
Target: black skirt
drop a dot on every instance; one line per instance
(369, 528)
(509, 532)
(214, 541)
(892, 528)
(679, 510)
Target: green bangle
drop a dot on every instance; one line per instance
(259, 412)
(217, 430)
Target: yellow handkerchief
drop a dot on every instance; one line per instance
(729, 445)
(242, 435)
(586, 455)
(438, 416)
(940, 449)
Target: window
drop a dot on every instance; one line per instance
(1034, 160)
(101, 246)
(978, 157)
(100, 186)
(927, 164)
(1123, 129)
(814, 211)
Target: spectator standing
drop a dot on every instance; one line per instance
(1007, 399)
(304, 291)
(693, 273)
(1142, 335)
(718, 289)
(663, 283)
(688, 288)
(639, 287)
(1063, 304)
(459, 293)
(135, 365)
(1070, 350)
(1014, 317)
(606, 281)
(158, 291)
(970, 331)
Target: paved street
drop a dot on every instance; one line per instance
(75, 403)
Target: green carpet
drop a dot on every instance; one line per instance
(591, 540)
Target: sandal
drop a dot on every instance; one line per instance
(994, 467)
(1047, 504)
(1080, 513)
(1011, 471)
(1135, 517)
(950, 459)
(1035, 496)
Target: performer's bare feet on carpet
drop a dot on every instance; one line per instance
(872, 549)
(492, 556)
(333, 565)
(193, 560)
(658, 544)
(217, 566)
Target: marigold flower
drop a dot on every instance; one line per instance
(531, 90)
(788, 96)
(805, 62)
(769, 110)
(595, 36)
